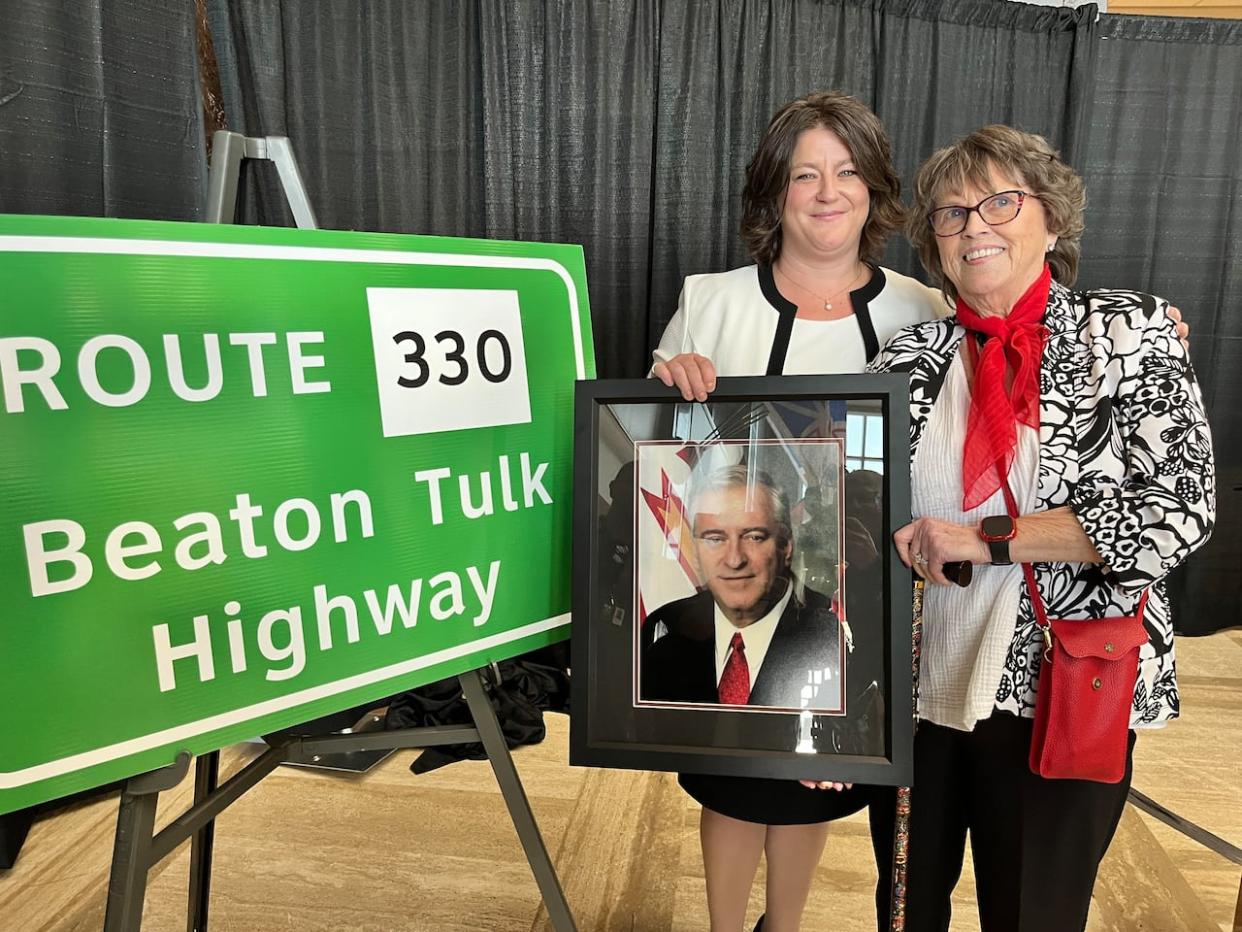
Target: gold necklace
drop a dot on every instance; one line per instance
(827, 303)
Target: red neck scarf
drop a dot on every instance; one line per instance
(1015, 342)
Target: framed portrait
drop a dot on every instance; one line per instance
(738, 607)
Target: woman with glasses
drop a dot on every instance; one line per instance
(820, 200)
(1054, 428)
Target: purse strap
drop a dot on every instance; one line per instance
(1011, 505)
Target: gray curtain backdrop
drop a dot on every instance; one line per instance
(931, 69)
(944, 69)
(626, 126)
(516, 120)
(100, 111)
(1164, 186)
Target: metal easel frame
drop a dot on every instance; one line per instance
(137, 847)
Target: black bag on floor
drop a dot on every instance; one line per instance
(529, 686)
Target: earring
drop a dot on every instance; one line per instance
(1051, 246)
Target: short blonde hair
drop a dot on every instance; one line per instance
(1025, 157)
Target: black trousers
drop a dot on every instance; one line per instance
(1036, 843)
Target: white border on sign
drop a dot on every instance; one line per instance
(15, 778)
(151, 247)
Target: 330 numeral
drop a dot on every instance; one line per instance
(453, 352)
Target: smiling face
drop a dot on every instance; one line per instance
(741, 552)
(993, 266)
(826, 202)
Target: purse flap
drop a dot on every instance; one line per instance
(1102, 638)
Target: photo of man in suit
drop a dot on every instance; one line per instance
(751, 636)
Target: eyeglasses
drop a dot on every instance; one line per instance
(997, 209)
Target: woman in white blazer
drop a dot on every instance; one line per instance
(820, 201)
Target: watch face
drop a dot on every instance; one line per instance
(998, 527)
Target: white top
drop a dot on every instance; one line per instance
(757, 636)
(728, 318)
(966, 632)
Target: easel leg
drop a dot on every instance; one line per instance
(206, 781)
(131, 852)
(131, 859)
(515, 798)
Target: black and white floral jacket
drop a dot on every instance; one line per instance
(1124, 442)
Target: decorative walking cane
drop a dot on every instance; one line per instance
(901, 825)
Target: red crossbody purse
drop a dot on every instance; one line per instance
(1086, 686)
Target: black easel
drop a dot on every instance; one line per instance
(137, 849)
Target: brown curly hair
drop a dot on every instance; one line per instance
(1026, 158)
(767, 175)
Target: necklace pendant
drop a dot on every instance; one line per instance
(827, 305)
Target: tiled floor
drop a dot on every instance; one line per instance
(391, 851)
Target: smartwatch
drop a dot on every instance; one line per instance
(997, 531)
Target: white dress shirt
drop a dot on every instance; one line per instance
(757, 636)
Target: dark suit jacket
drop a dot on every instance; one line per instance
(681, 666)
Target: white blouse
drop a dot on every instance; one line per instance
(731, 318)
(966, 632)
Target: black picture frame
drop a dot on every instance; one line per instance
(870, 739)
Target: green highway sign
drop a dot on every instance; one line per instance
(253, 476)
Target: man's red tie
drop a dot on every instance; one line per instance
(734, 688)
